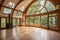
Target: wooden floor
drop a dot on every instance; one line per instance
(28, 33)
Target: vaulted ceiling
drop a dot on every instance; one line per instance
(21, 3)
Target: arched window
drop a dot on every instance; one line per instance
(41, 6)
(37, 17)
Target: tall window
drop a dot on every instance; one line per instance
(18, 22)
(53, 21)
(3, 22)
(31, 20)
(37, 20)
(14, 22)
(27, 21)
(44, 22)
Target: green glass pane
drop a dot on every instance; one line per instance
(43, 10)
(29, 10)
(44, 21)
(37, 8)
(34, 10)
(50, 6)
(31, 20)
(37, 20)
(35, 3)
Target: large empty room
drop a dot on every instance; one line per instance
(29, 19)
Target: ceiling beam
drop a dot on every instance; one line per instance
(1, 4)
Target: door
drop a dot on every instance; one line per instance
(14, 22)
(3, 22)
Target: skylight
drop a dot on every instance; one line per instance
(11, 4)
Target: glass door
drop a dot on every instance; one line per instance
(44, 22)
(32, 21)
(53, 21)
(37, 21)
(3, 22)
(14, 22)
